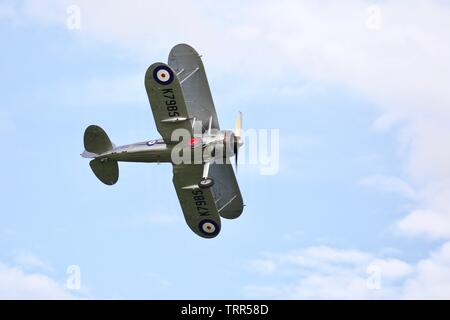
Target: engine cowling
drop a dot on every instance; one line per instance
(224, 146)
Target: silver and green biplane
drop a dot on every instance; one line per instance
(191, 141)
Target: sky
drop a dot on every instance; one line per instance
(358, 208)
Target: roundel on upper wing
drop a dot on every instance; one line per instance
(209, 228)
(163, 75)
(151, 142)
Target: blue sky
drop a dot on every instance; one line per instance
(363, 179)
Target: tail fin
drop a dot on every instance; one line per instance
(96, 142)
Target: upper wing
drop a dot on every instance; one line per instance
(226, 191)
(187, 64)
(199, 208)
(167, 100)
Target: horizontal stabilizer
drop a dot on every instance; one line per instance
(106, 170)
(87, 154)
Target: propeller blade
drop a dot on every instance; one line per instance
(238, 125)
(237, 138)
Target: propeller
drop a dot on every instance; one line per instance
(237, 137)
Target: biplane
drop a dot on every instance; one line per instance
(191, 140)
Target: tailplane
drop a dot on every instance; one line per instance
(96, 142)
(106, 170)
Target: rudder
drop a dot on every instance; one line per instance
(96, 140)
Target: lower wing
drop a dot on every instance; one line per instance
(198, 205)
(226, 191)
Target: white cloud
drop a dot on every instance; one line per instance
(30, 261)
(264, 266)
(393, 268)
(322, 273)
(432, 277)
(387, 121)
(325, 254)
(330, 273)
(389, 184)
(425, 223)
(404, 61)
(432, 220)
(16, 284)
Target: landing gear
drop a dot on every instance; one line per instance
(206, 183)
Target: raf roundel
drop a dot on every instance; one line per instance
(163, 75)
(209, 228)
